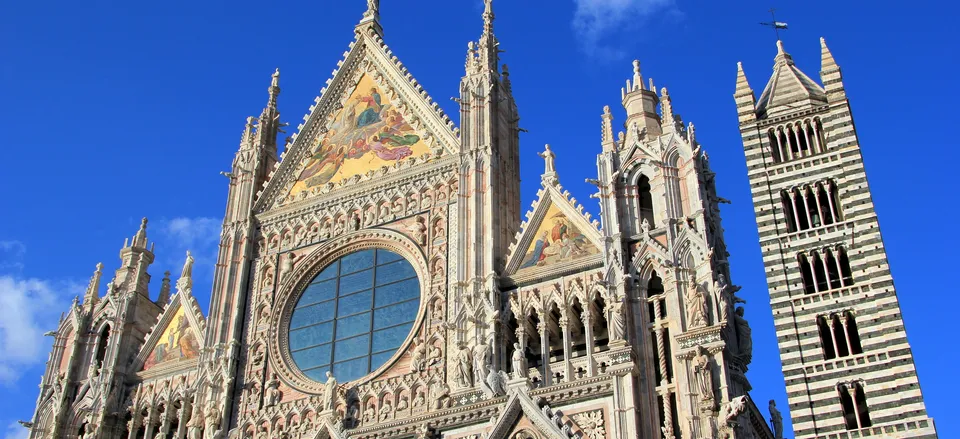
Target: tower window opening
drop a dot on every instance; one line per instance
(645, 201)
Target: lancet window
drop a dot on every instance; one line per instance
(825, 269)
(796, 139)
(810, 206)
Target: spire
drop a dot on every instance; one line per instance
(782, 58)
(607, 130)
(91, 297)
(489, 50)
(743, 87)
(789, 89)
(274, 89)
(164, 289)
(666, 110)
(830, 74)
(140, 239)
(371, 18)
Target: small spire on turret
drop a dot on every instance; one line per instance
(666, 110)
(506, 79)
(140, 239)
(274, 89)
(164, 289)
(488, 17)
(92, 296)
(489, 47)
(607, 130)
(742, 84)
(830, 74)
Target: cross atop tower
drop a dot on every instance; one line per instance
(776, 25)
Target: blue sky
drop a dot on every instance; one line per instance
(120, 110)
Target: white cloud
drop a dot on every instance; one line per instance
(594, 20)
(11, 255)
(200, 235)
(30, 308)
(16, 431)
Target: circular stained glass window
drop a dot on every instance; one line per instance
(354, 315)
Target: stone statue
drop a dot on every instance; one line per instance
(696, 305)
(464, 368)
(440, 393)
(330, 393)
(744, 337)
(403, 404)
(776, 420)
(272, 395)
(195, 425)
(496, 381)
(519, 361)
(420, 400)
(211, 421)
(286, 264)
(386, 410)
(417, 363)
(187, 267)
(727, 297)
(436, 355)
(481, 357)
(549, 159)
(732, 409)
(704, 374)
(618, 326)
(420, 231)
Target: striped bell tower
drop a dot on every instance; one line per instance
(848, 367)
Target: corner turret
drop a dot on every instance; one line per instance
(641, 105)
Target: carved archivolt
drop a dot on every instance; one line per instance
(308, 267)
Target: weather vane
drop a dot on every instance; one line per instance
(776, 25)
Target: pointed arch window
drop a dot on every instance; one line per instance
(645, 202)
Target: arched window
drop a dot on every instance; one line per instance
(788, 212)
(645, 201)
(826, 339)
(102, 343)
(600, 335)
(863, 413)
(578, 334)
(818, 130)
(806, 274)
(774, 146)
(833, 270)
(839, 336)
(855, 347)
(811, 204)
(845, 272)
(825, 203)
(819, 274)
(849, 410)
(853, 402)
(802, 139)
(800, 206)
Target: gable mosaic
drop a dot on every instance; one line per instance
(366, 134)
(177, 342)
(557, 240)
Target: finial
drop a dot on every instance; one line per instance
(742, 85)
(782, 58)
(607, 130)
(826, 57)
(140, 239)
(371, 18)
(780, 47)
(488, 15)
(186, 274)
(164, 296)
(637, 78)
(666, 108)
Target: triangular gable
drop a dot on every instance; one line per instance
(372, 117)
(176, 338)
(520, 405)
(556, 232)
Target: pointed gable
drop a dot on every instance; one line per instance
(372, 119)
(176, 338)
(521, 415)
(789, 89)
(556, 234)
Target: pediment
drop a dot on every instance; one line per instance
(373, 119)
(556, 232)
(523, 417)
(177, 337)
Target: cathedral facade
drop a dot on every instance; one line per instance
(379, 281)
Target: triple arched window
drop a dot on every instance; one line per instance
(838, 335)
(796, 139)
(811, 205)
(825, 269)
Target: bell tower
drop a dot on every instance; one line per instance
(846, 361)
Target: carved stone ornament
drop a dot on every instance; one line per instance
(591, 423)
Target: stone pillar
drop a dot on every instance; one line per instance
(588, 330)
(545, 351)
(567, 348)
